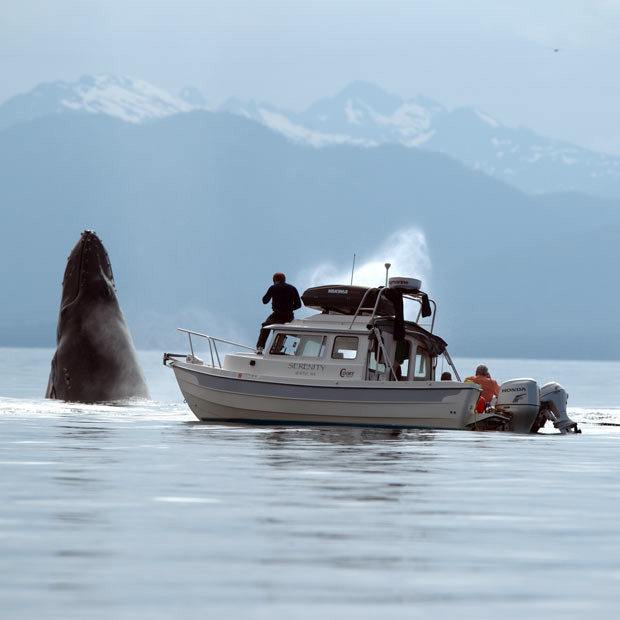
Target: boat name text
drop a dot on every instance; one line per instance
(346, 373)
(342, 291)
(302, 366)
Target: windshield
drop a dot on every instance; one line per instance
(306, 345)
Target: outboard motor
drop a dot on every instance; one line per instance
(553, 399)
(519, 399)
(529, 407)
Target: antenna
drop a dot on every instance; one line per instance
(353, 270)
(387, 269)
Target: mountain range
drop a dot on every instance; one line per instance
(198, 209)
(361, 114)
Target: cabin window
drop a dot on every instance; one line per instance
(345, 347)
(422, 367)
(306, 345)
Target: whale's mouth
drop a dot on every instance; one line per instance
(88, 264)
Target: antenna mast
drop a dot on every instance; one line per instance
(387, 269)
(352, 269)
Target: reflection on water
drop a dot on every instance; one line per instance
(76, 518)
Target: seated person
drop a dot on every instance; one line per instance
(490, 387)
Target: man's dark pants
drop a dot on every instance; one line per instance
(275, 317)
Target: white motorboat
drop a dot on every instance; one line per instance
(356, 362)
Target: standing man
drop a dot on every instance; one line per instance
(284, 300)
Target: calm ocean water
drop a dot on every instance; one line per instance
(142, 512)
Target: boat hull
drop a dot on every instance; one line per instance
(219, 395)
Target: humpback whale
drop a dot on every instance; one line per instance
(95, 359)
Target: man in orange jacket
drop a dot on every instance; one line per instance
(489, 386)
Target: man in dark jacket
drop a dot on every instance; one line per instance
(284, 300)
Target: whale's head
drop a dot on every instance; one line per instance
(88, 272)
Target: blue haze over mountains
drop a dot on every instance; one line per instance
(198, 207)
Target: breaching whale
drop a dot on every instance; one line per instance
(95, 359)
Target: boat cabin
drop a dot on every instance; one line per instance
(359, 334)
(317, 346)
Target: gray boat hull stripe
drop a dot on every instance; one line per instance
(337, 393)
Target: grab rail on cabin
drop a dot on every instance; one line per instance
(452, 365)
(430, 325)
(361, 307)
(380, 291)
(212, 340)
(384, 355)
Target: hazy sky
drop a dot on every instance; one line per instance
(497, 55)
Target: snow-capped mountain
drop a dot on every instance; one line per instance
(363, 115)
(128, 99)
(131, 100)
